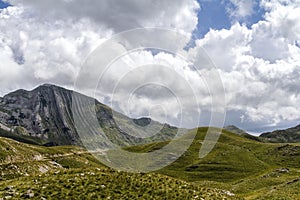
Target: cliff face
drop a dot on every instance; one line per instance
(45, 114)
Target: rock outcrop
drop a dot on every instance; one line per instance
(45, 116)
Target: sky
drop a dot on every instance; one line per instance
(255, 46)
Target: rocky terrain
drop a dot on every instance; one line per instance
(44, 116)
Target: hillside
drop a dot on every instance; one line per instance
(243, 166)
(36, 172)
(43, 158)
(237, 168)
(289, 135)
(44, 116)
(236, 130)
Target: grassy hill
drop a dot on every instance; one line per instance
(246, 167)
(70, 172)
(102, 183)
(237, 168)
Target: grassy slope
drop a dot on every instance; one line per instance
(107, 184)
(243, 166)
(20, 138)
(19, 159)
(71, 173)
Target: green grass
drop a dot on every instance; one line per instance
(247, 168)
(236, 164)
(107, 184)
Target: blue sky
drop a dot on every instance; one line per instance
(3, 4)
(213, 14)
(257, 62)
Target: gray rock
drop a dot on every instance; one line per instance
(45, 116)
(28, 194)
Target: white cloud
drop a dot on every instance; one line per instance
(260, 65)
(42, 41)
(140, 81)
(122, 15)
(43, 50)
(47, 42)
(275, 38)
(241, 9)
(226, 45)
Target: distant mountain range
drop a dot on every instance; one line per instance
(44, 116)
(290, 135)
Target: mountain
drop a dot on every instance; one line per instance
(234, 129)
(290, 135)
(241, 132)
(44, 116)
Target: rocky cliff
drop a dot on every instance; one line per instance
(45, 115)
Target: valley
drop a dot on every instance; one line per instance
(42, 157)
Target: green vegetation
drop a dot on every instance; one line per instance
(21, 138)
(284, 136)
(102, 183)
(245, 167)
(237, 168)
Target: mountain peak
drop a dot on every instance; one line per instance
(45, 114)
(48, 85)
(52, 86)
(234, 129)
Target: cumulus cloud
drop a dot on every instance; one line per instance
(260, 65)
(122, 15)
(42, 41)
(48, 42)
(43, 50)
(240, 9)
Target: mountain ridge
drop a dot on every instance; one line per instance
(289, 135)
(45, 114)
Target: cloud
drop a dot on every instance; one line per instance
(121, 15)
(260, 66)
(276, 36)
(43, 50)
(139, 82)
(42, 41)
(48, 42)
(240, 9)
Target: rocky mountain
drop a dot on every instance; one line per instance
(44, 116)
(290, 135)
